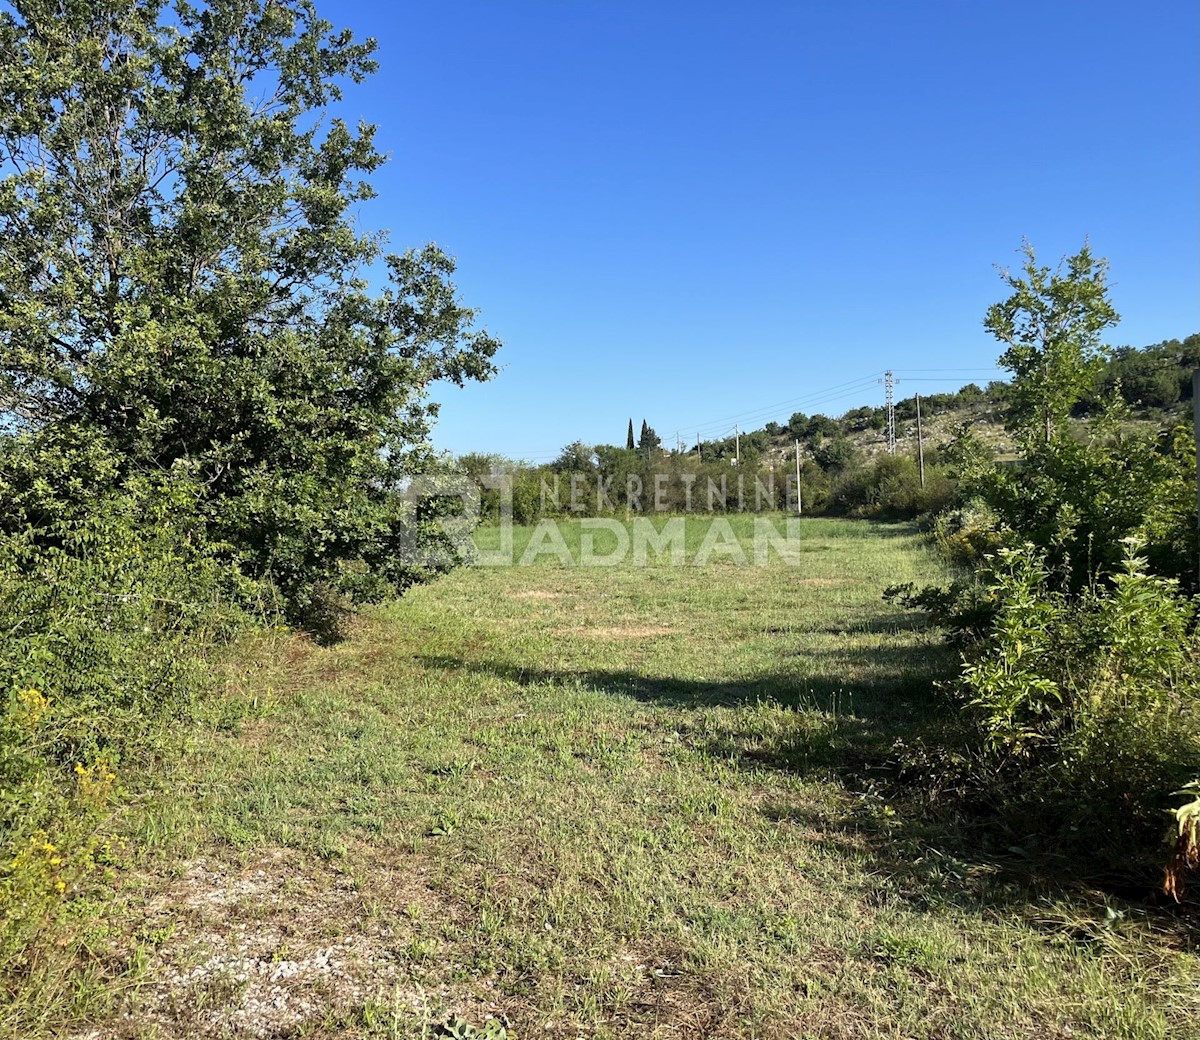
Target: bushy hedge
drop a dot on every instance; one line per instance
(1080, 679)
(889, 487)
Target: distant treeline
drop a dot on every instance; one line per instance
(837, 476)
(1157, 376)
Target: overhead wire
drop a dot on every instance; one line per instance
(822, 396)
(724, 427)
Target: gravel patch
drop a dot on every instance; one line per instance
(285, 946)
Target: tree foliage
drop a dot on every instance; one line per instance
(1075, 497)
(1050, 326)
(575, 457)
(183, 288)
(648, 440)
(1079, 671)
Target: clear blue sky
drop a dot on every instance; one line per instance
(693, 211)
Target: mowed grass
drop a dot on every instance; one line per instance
(612, 801)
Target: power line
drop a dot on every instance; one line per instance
(717, 429)
(889, 392)
(782, 404)
(715, 432)
(815, 397)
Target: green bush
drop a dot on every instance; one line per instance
(106, 626)
(967, 533)
(889, 487)
(1080, 675)
(1087, 704)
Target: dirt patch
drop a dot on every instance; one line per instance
(617, 632)
(662, 999)
(283, 946)
(258, 733)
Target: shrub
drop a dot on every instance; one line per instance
(967, 533)
(1013, 684)
(1079, 673)
(107, 624)
(1087, 703)
(889, 487)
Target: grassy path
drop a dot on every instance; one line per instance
(607, 802)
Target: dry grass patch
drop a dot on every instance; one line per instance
(282, 944)
(616, 631)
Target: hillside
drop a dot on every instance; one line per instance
(1153, 381)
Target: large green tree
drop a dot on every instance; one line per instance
(184, 290)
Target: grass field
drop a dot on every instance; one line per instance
(603, 802)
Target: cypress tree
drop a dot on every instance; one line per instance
(649, 440)
(629, 444)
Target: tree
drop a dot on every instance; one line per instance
(823, 426)
(863, 418)
(1076, 499)
(480, 464)
(649, 440)
(1051, 327)
(1148, 377)
(629, 444)
(837, 454)
(576, 457)
(182, 287)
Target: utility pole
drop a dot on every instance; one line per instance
(699, 447)
(737, 445)
(1196, 427)
(799, 495)
(889, 390)
(920, 443)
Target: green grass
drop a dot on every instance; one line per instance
(604, 802)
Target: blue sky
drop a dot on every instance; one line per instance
(695, 212)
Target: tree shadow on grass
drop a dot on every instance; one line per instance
(890, 624)
(865, 699)
(929, 847)
(894, 680)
